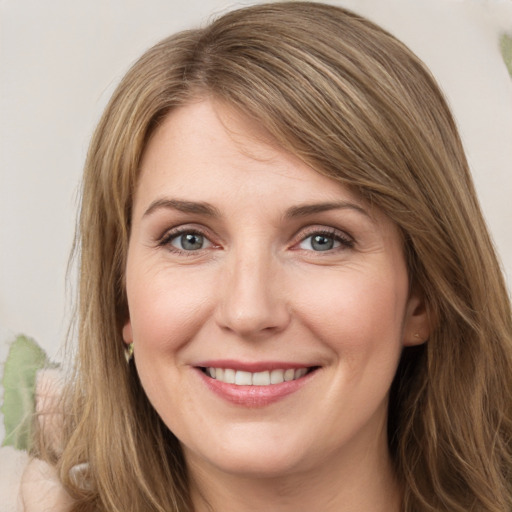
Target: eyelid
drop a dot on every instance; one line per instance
(172, 233)
(347, 241)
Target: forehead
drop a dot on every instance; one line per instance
(215, 149)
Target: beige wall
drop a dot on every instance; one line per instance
(60, 60)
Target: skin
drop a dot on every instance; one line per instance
(258, 290)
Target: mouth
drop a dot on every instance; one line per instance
(254, 384)
(261, 378)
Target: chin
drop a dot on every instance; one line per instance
(254, 458)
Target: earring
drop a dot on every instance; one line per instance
(128, 352)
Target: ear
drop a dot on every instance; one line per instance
(127, 332)
(416, 323)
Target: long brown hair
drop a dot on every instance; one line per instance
(355, 104)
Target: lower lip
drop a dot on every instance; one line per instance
(253, 396)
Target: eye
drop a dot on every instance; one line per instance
(325, 241)
(187, 241)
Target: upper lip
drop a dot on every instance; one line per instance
(253, 366)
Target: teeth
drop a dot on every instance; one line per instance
(300, 373)
(243, 378)
(289, 375)
(266, 378)
(276, 376)
(261, 379)
(229, 376)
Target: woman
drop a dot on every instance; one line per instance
(280, 233)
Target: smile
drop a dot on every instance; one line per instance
(254, 385)
(263, 378)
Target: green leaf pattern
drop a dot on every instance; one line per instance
(24, 359)
(506, 51)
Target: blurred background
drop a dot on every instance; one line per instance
(60, 61)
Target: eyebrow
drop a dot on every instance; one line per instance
(311, 209)
(199, 208)
(202, 208)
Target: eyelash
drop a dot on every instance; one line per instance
(170, 236)
(345, 241)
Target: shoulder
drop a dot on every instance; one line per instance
(29, 485)
(12, 465)
(41, 489)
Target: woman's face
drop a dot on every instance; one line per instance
(268, 303)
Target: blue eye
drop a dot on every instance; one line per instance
(320, 242)
(189, 241)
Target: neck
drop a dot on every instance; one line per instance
(363, 481)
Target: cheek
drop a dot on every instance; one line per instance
(359, 316)
(367, 299)
(166, 308)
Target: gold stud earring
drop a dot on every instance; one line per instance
(128, 352)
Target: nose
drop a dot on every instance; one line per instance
(253, 301)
